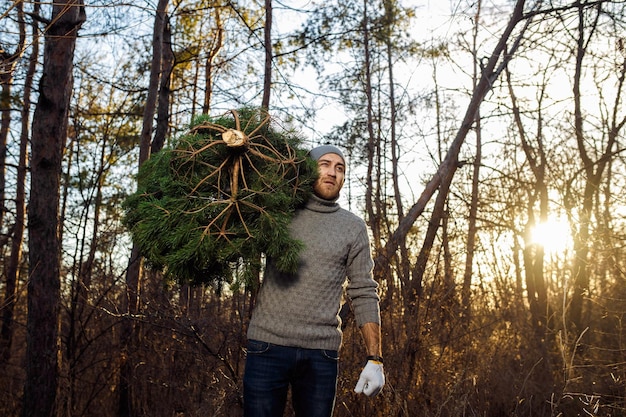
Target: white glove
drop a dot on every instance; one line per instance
(372, 379)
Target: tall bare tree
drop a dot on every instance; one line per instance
(269, 56)
(594, 162)
(49, 133)
(392, 19)
(533, 253)
(163, 109)
(210, 67)
(8, 62)
(17, 232)
(473, 209)
(133, 272)
(7, 68)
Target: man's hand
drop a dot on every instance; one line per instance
(372, 379)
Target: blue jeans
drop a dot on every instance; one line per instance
(271, 369)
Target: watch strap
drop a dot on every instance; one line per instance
(375, 358)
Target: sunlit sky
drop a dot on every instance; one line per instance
(554, 235)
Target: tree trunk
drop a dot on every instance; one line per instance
(267, 79)
(133, 273)
(534, 254)
(415, 287)
(404, 265)
(48, 139)
(472, 231)
(9, 61)
(209, 71)
(163, 114)
(373, 218)
(594, 171)
(17, 232)
(160, 24)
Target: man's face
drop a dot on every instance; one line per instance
(332, 172)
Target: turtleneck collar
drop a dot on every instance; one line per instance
(321, 205)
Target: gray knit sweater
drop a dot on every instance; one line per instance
(301, 310)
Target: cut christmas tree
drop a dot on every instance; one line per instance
(211, 206)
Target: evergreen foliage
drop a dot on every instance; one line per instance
(207, 208)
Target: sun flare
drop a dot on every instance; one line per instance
(554, 235)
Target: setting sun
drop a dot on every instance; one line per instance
(554, 235)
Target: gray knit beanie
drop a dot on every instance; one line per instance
(317, 152)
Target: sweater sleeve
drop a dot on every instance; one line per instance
(362, 289)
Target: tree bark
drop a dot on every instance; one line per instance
(269, 56)
(209, 70)
(133, 272)
(373, 218)
(534, 254)
(163, 113)
(17, 231)
(9, 60)
(593, 171)
(403, 255)
(472, 231)
(48, 138)
(145, 138)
